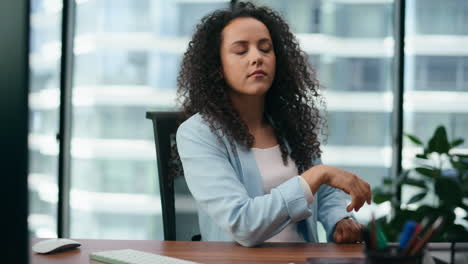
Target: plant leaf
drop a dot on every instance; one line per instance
(463, 206)
(459, 165)
(417, 197)
(379, 196)
(426, 210)
(421, 156)
(403, 175)
(401, 217)
(428, 172)
(382, 197)
(456, 233)
(457, 142)
(461, 159)
(449, 191)
(387, 181)
(415, 182)
(415, 140)
(464, 187)
(439, 142)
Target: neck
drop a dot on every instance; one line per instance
(250, 109)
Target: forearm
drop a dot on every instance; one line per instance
(315, 177)
(332, 208)
(251, 221)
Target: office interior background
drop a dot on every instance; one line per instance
(125, 60)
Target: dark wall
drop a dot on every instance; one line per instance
(14, 24)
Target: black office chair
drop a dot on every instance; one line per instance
(180, 220)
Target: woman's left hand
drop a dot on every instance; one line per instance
(347, 231)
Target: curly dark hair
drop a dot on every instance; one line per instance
(293, 101)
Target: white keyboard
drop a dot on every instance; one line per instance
(130, 256)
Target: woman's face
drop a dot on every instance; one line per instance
(247, 56)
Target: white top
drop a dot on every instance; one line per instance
(273, 173)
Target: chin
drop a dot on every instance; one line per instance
(258, 90)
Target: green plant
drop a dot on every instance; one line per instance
(441, 177)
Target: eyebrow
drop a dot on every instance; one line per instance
(245, 41)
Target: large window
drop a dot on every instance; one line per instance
(436, 90)
(126, 59)
(353, 54)
(45, 42)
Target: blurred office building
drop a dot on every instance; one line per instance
(126, 59)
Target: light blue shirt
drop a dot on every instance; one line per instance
(228, 189)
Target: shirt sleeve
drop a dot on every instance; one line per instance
(332, 203)
(218, 190)
(306, 189)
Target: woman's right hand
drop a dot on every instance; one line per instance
(348, 182)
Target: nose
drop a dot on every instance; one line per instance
(257, 58)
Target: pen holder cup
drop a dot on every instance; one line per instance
(391, 255)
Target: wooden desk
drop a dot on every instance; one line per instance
(205, 252)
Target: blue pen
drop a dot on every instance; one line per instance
(408, 230)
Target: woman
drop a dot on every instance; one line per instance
(250, 148)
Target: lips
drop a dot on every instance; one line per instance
(257, 73)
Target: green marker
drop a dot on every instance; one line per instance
(381, 238)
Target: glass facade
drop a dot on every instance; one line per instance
(126, 62)
(126, 59)
(350, 44)
(436, 74)
(45, 43)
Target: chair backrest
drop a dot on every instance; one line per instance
(180, 220)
